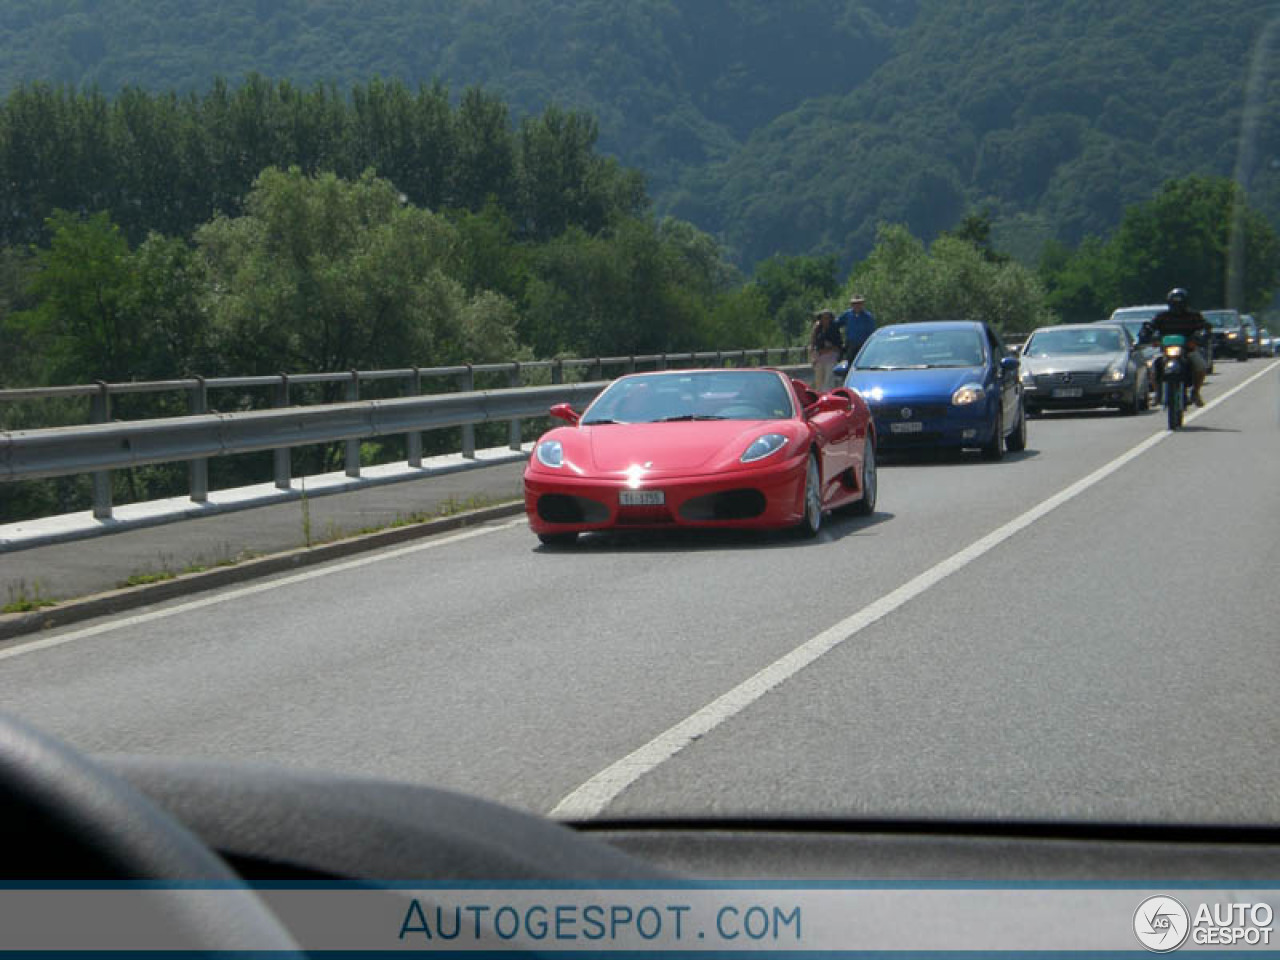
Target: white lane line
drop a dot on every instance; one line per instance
(590, 799)
(242, 592)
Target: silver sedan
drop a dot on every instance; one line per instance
(1076, 366)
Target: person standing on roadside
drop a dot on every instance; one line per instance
(825, 347)
(857, 324)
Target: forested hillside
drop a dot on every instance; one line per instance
(780, 127)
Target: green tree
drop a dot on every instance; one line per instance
(322, 273)
(951, 280)
(84, 282)
(793, 286)
(1196, 232)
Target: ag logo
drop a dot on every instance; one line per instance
(1161, 924)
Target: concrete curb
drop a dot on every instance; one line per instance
(116, 601)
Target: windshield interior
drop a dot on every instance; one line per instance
(900, 349)
(1048, 343)
(1222, 318)
(698, 396)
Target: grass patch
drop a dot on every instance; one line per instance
(448, 508)
(22, 602)
(168, 570)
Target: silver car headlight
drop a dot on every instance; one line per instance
(967, 394)
(1028, 379)
(1114, 373)
(550, 453)
(764, 446)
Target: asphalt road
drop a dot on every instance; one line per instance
(967, 651)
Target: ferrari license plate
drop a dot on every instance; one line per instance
(910, 426)
(642, 498)
(1067, 392)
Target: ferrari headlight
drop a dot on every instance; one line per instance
(762, 447)
(550, 453)
(1114, 373)
(969, 393)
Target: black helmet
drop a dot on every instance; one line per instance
(1177, 297)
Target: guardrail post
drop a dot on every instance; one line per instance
(353, 446)
(662, 361)
(514, 431)
(631, 364)
(100, 412)
(597, 370)
(283, 461)
(198, 470)
(467, 383)
(413, 441)
(557, 371)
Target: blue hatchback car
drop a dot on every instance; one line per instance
(932, 385)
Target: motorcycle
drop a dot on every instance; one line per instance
(1175, 378)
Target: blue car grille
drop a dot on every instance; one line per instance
(906, 410)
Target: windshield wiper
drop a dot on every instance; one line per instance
(596, 423)
(689, 416)
(905, 366)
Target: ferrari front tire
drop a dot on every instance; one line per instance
(870, 482)
(811, 519)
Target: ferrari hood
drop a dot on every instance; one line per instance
(668, 448)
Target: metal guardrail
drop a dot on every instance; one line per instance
(103, 446)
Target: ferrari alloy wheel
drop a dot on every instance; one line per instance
(558, 539)
(811, 522)
(867, 505)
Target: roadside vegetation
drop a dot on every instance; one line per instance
(264, 229)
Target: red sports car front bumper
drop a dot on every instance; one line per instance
(767, 496)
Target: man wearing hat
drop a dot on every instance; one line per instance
(857, 324)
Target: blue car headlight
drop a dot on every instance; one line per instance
(764, 446)
(967, 394)
(550, 453)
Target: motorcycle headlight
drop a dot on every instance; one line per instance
(762, 447)
(1173, 351)
(967, 394)
(1114, 373)
(550, 453)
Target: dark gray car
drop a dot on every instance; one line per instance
(1076, 366)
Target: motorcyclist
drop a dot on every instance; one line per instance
(1181, 320)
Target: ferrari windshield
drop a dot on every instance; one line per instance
(1048, 343)
(709, 395)
(900, 349)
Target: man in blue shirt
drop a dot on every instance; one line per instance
(857, 324)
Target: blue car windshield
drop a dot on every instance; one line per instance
(899, 349)
(701, 395)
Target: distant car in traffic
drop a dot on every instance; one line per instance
(1252, 335)
(1075, 366)
(942, 384)
(1266, 342)
(1230, 338)
(702, 448)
